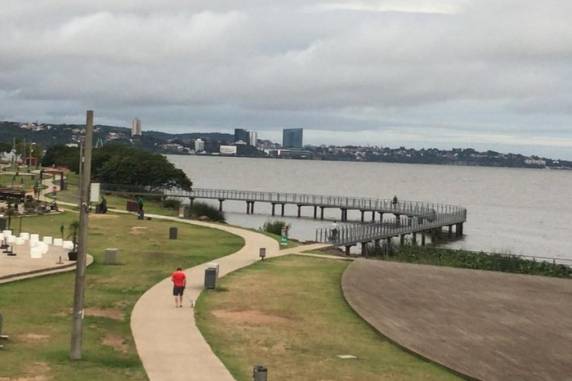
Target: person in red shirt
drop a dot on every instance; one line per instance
(179, 280)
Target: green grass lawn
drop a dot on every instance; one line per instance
(24, 181)
(71, 194)
(290, 315)
(278, 238)
(37, 311)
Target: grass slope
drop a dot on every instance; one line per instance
(71, 194)
(37, 311)
(290, 315)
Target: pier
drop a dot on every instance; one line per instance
(416, 218)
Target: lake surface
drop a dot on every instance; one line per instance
(521, 211)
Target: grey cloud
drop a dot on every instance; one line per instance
(478, 67)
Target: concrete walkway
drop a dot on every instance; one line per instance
(168, 341)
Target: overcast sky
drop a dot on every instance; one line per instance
(424, 73)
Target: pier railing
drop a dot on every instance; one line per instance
(350, 234)
(409, 208)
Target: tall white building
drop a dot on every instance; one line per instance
(252, 138)
(199, 145)
(136, 127)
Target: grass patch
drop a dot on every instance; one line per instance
(37, 311)
(290, 315)
(438, 256)
(114, 201)
(278, 238)
(24, 181)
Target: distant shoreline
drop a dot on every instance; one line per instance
(370, 161)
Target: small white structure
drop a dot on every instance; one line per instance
(43, 247)
(34, 238)
(19, 241)
(7, 233)
(25, 236)
(58, 242)
(36, 253)
(68, 245)
(48, 240)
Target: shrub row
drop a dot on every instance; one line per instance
(201, 210)
(477, 260)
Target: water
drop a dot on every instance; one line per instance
(521, 211)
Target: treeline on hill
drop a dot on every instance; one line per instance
(121, 164)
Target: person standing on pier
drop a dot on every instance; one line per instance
(334, 231)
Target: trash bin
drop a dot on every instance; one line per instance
(213, 265)
(173, 231)
(111, 256)
(210, 278)
(3, 223)
(259, 373)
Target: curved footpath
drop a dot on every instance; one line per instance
(168, 341)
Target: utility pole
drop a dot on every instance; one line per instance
(79, 292)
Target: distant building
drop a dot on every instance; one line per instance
(252, 138)
(199, 145)
(10, 157)
(212, 146)
(537, 162)
(292, 138)
(227, 150)
(136, 127)
(241, 135)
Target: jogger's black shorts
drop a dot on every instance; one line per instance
(178, 290)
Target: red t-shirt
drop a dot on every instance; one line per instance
(179, 278)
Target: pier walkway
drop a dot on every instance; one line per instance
(406, 217)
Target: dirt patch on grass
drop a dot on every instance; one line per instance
(33, 338)
(110, 313)
(249, 317)
(138, 230)
(39, 371)
(116, 342)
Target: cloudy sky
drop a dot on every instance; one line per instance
(424, 73)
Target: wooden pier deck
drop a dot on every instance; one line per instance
(409, 217)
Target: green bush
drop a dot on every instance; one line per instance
(171, 204)
(274, 227)
(201, 209)
(477, 260)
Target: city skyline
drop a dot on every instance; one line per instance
(469, 73)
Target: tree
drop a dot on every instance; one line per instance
(137, 167)
(61, 155)
(123, 165)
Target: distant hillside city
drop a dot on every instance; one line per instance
(245, 143)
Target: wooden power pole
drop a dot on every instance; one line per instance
(79, 291)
